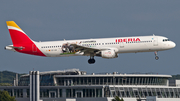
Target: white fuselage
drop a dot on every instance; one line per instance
(103, 47)
(119, 44)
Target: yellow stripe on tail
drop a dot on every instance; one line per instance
(13, 24)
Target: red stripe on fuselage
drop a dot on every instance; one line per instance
(20, 39)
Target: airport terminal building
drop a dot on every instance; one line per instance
(76, 85)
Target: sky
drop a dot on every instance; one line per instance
(45, 20)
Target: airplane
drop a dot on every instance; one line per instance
(107, 48)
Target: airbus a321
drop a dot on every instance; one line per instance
(105, 47)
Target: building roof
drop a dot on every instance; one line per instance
(63, 73)
(116, 75)
(58, 71)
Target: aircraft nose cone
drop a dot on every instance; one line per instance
(173, 44)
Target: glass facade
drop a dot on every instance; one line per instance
(74, 85)
(50, 93)
(71, 93)
(24, 81)
(79, 93)
(18, 93)
(131, 92)
(67, 81)
(46, 79)
(107, 91)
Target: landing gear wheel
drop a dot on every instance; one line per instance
(156, 57)
(91, 61)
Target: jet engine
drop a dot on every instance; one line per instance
(108, 54)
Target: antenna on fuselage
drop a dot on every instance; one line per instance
(153, 35)
(64, 39)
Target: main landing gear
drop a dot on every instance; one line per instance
(156, 57)
(91, 60)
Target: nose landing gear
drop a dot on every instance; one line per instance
(91, 60)
(156, 56)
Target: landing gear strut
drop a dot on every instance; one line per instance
(156, 57)
(91, 60)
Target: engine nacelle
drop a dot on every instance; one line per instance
(109, 54)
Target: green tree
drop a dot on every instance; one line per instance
(5, 84)
(4, 96)
(117, 99)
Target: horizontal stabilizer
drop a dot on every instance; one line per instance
(12, 48)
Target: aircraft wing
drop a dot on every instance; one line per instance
(86, 50)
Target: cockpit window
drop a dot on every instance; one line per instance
(165, 40)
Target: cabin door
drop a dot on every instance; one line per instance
(155, 41)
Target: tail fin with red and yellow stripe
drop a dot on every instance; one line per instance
(21, 42)
(18, 36)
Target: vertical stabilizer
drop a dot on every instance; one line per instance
(21, 42)
(18, 36)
